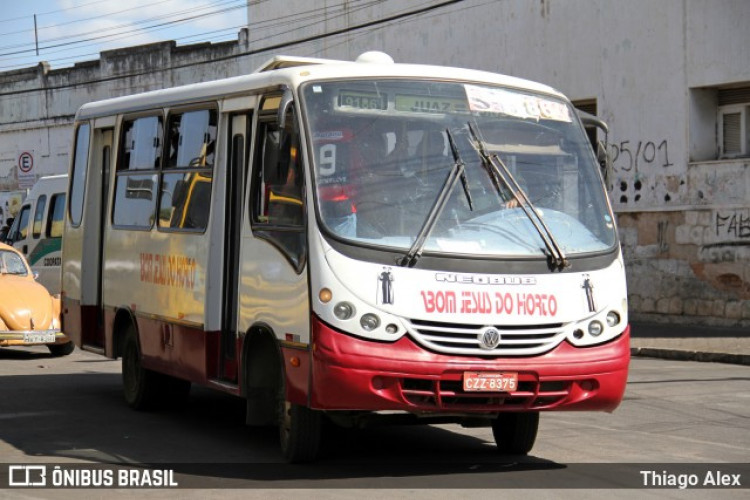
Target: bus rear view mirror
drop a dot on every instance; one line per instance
(605, 161)
(287, 99)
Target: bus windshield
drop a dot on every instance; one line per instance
(382, 152)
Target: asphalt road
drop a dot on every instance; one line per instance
(70, 410)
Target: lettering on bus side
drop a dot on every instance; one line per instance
(176, 271)
(484, 279)
(471, 302)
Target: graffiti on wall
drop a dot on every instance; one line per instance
(732, 225)
(728, 238)
(632, 159)
(628, 156)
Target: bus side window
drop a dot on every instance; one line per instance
(78, 174)
(278, 208)
(282, 179)
(20, 229)
(55, 216)
(136, 177)
(41, 204)
(185, 195)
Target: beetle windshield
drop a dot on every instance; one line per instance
(12, 263)
(381, 154)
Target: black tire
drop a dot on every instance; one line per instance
(300, 430)
(515, 433)
(140, 386)
(58, 350)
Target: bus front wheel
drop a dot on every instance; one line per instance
(515, 433)
(299, 432)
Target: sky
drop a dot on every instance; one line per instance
(70, 31)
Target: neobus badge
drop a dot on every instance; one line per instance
(484, 279)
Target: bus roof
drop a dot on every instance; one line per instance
(293, 71)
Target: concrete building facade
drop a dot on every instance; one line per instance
(671, 78)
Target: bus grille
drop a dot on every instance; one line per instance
(515, 340)
(449, 395)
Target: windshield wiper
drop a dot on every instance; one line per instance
(456, 173)
(497, 171)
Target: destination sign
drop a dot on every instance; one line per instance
(430, 104)
(362, 100)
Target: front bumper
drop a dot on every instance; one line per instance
(354, 374)
(9, 338)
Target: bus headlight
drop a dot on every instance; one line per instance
(612, 318)
(343, 310)
(369, 322)
(595, 328)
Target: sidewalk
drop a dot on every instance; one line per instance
(692, 343)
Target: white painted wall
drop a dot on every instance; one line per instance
(637, 58)
(653, 67)
(38, 104)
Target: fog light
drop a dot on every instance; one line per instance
(595, 328)
(391, 328)
(343, 310)
(369, 322)
(588, 385)
(612, 318)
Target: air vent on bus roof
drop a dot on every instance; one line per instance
(374, 57)
(281, 62)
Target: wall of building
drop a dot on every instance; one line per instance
(39, 103)
(652, 68)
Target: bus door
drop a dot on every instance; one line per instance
(93, 259)
(235, 195)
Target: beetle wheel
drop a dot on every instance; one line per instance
(58, 350)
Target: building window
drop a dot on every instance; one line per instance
(589, 106)
(734, 122)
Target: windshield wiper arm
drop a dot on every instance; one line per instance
(456, 173)
(497, 171)
(457, 160)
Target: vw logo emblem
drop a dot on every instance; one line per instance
(489, 339)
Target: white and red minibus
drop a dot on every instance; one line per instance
(349, 240)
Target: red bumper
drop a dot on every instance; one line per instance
(353, 374)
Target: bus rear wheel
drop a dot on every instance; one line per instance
(139, 384)
(299, 432)
(515, 433)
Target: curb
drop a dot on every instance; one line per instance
(676, 354)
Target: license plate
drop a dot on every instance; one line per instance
(39, 338)
(490, 382)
